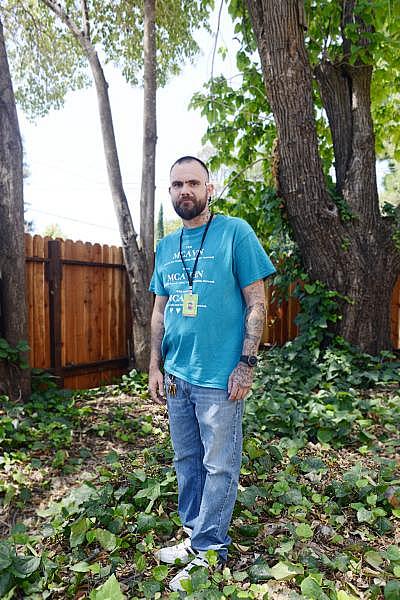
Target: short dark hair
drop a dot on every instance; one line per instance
(184, 159)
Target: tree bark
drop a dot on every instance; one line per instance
(14, 381)
(134, 257)
(357, 257)
(149, 134)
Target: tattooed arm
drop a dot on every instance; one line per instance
(156, 379)
(241, 378)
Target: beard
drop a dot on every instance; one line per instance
(193, 210)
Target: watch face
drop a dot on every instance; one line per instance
(252, 360)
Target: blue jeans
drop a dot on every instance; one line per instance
(206, 433)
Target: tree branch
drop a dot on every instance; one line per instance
(85, 19)
(57, 9)
(335, 89)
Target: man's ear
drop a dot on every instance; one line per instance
(169, 190)
(210, 189)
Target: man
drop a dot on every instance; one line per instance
(206, 327)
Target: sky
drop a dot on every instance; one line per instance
(68, 182)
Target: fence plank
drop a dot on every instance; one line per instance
(395, 316)
(37, 301)
(54, 278)
(105, 293)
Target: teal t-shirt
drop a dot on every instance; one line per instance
(205, 349)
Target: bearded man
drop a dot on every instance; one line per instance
(207, 322)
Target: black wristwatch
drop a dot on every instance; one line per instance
(249, 360)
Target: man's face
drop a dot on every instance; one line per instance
(189, 189)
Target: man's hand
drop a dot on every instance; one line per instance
(156, 385)
(156, 379)
(239, 382)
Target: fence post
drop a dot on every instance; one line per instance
(54, 277)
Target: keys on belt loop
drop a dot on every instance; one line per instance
(171, 387)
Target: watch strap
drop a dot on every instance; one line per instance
(249, 360)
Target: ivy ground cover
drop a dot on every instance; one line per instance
(88, 491)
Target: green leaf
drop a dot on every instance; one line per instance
(286, 570)
(145, 522)
(249, 530)
(304, 531)
(106, 539)
(152, 492)
(313, 465)
(82, 494)
(84, 567)
(140, 475)
(240, 575)
(383, 525)
(260, 571)
(112, 458)
(248, 495)
(342, 595)
(78, 532)
(325, 435)
(312, 589)
(393, 553)
(81, 567)
(140, 562)
(228, 590)
(392, 590)
(23, 566)
(110, 590)
(310, 288)
(160, 572)
(285, 547)
(6, 555)
(364, 515)
(373, 558)
(150, 588)
(199, 578)
(9, 595)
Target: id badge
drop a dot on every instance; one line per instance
(190, 302)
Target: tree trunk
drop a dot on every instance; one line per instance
(134, 257)
(14, 381)
(149, 134)
(355, 256)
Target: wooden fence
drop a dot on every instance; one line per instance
(280, 326)
(79, 317)
(78, 306)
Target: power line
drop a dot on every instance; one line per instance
(43, 212)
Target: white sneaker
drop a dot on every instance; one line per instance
(175, 585)
(182, 551)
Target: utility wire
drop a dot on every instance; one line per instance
(43, 212)
(216, 41)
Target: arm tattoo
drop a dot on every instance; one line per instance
(157, 334)
(254, 325)
(242, 376)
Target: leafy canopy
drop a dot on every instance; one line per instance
(379, 46)
(241, 126)
(47, 61)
